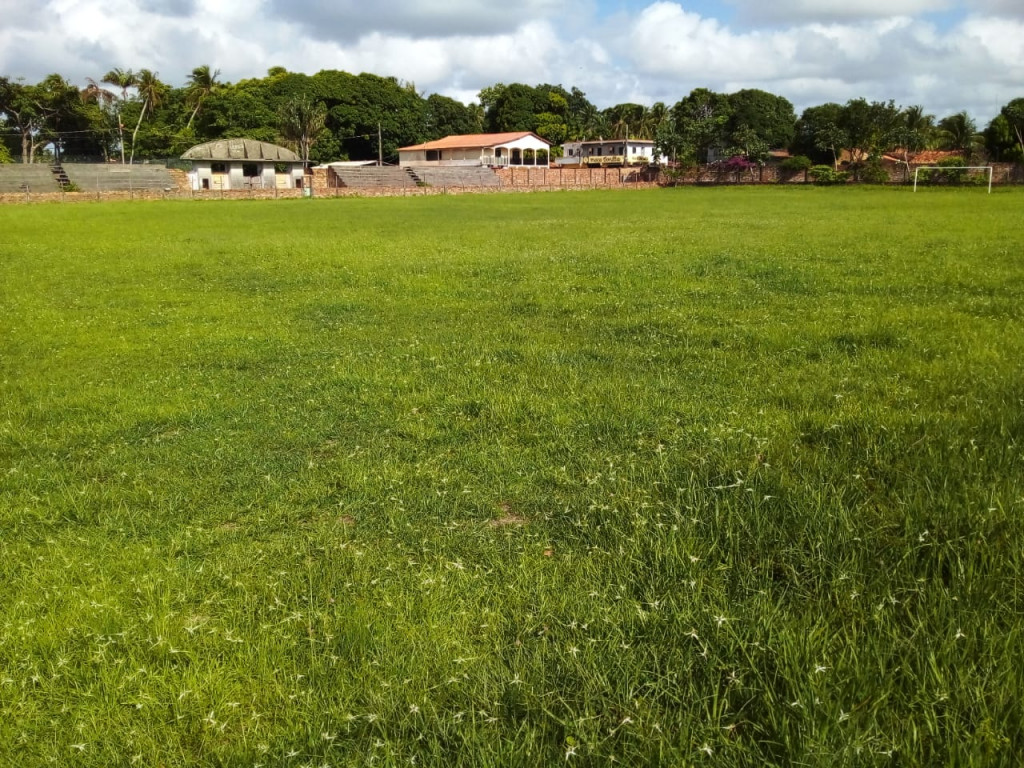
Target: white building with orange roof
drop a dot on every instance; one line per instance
(493, 149)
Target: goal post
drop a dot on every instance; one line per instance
(988, 168)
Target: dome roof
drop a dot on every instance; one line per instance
(241, 149)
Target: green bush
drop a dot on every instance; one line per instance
(826, 174)
(873, 172)
(796, 164)
(951, 173)
(5, 155)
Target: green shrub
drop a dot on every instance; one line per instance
(951, 173)
(826, 174)
(873, 172)
(796, 164)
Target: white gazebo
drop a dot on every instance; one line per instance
(243, 164)
(495, 149)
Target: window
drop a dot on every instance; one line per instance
(249, 170)
(219, 167)
(433, 155)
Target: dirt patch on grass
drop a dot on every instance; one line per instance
(508, 517)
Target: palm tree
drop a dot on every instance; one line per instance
(915, 131)
(151, 92)
(96, 94)
(590, 122)
(302, 120)
(201, 83)
(123, 79)
(959, 133)
(653, 117)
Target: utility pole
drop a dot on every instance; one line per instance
(380, 148)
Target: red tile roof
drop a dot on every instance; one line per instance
(924, 158)
(473, 141)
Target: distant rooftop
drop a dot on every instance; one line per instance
(474, 141)
(241, 149)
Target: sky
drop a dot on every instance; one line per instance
(946, 55)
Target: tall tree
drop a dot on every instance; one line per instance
(124, 79)
(553, 124)
(959, 133)
(18, 104)
(819, 135)
(151, 93)
(1013, 113)
(201, 83)
(869, 127)
(652, 120)
(60, 104)
(39, 112)
(444, 116)
(760, 117)
(1001, 143)
(700, 120)
(515, 109)
(302, 121)
(625, 119)
(913, 132)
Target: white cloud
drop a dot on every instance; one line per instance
(804, 11)
(896, 57)
(353, 19)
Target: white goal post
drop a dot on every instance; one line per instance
(988, 168)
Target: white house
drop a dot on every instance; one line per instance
(609, 152)
(243, 164)
(520, 148)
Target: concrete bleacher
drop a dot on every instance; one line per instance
(111, 177)
(371, 176)
(390, 176)
(457, 176)
(32, 177)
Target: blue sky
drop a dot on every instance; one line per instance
(945, 55)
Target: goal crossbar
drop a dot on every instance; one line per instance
(988, 168)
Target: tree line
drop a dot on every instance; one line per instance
(127, 116)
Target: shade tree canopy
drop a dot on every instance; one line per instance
(130, 114)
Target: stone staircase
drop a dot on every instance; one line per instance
(60, 176)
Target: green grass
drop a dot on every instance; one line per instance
(718, 477)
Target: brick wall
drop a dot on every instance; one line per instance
(518, 179)
(539, 177)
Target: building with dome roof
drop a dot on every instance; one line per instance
(227, 164)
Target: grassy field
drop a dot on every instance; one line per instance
(725, 477)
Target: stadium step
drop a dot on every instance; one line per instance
(60, 176)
